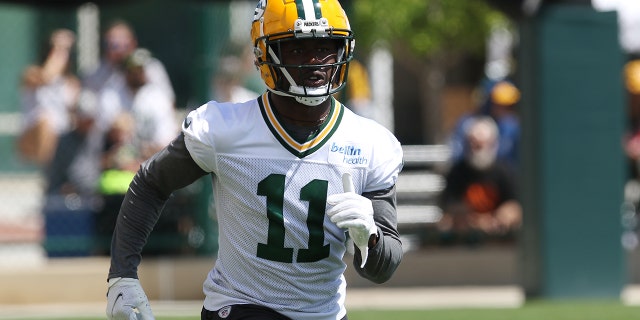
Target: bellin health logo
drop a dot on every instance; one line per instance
(351, 154)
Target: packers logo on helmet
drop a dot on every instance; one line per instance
(276, 21)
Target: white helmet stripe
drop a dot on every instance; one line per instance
(309, 9)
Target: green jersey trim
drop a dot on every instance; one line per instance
(314, 142)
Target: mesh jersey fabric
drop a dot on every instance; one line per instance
(277, 248)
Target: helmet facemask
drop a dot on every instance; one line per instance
(285, 74)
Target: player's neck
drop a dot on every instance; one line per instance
(297, 114)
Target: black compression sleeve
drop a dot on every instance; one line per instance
(386, 255)
(170, 169)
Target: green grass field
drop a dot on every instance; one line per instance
(533, 310)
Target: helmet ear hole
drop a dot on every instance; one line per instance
(257, 53)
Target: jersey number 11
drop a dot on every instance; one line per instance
(314, 192)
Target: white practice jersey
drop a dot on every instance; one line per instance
(277, 247)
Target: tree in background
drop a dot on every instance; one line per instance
(429, 37)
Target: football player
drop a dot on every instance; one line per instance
(295, 173)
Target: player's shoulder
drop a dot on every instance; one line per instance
(215, 117)
(224, 112)
(231, 107)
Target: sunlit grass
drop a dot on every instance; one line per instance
(532, 310)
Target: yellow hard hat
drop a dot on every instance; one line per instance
(505, 93)
(632, 76)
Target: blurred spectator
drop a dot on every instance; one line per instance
(120, 151)
(49, 92)
(631, 142)
(228, 81)
(480, 200)
(74, 168)
(140, 121)
(632, 139)
(119, 42)
(497, 100)
(357, 94)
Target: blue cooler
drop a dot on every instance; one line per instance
(69, 226)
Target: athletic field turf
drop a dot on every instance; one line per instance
(533, 310)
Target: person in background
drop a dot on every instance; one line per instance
(357, 93)
(140, 121)
(150, 104)
(228, 81)
(480, 200)
(143, 109)
(74, 168)
(49, 92)
(119, 42)
(498, 99)
(631, 146)
(294, 172)
(632, 138)
(504, 97)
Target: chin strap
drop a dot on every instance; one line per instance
(312, 100)
(307, 101)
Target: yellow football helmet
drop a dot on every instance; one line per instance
(276, 21)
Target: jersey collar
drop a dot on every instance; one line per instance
(314, 142)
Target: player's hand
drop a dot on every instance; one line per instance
(353, 212)
(127, 301)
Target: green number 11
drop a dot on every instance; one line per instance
(314, 192)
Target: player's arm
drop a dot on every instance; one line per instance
(170, 169)
(385, 248)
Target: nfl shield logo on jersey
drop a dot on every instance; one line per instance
(224, 312)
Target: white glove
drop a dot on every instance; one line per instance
(127, 301)
(354, 212)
